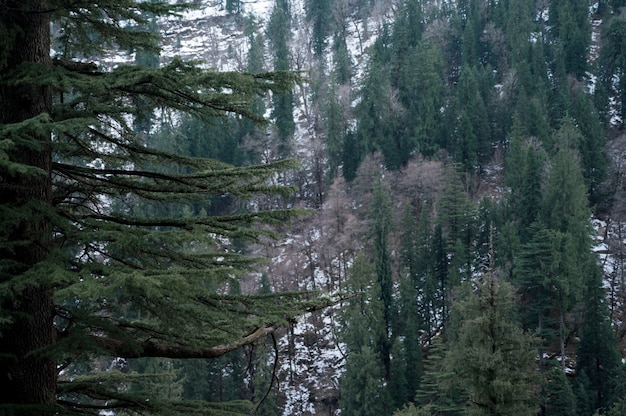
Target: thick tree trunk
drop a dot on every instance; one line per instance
(27, 377)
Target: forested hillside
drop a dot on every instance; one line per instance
(431, 223)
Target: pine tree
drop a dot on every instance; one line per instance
(597, 356)
(456, 217)
(592, 158)
(436, 392)
(72, 266)
(407, 327)
(525, 166)
(612, 60)
(398, 384)
(571, 26)
(421, 92)
(381, 227)
(491, 356)
(363, 331)
(363, 393)
(559, 396)
(317, 12)
(278, 32)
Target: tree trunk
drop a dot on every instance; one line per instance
(27, 376)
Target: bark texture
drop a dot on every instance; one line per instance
(28, 377)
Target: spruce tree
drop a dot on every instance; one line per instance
(73, 261)
(436, 391)
(559, 396)
(598, 354)
(363, 331)
(491, 356)
(363, 392)
(278, 33)
(381, 211)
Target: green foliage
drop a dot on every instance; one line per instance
(363, 393)
(278, 32)
(318, 12)
(491, 356)
(612, 62)
(381, 228)
(436, 392)
(124, 260)
(411, 410)
(570, 24)
(597, 356)
(362, 317)
(559, 396)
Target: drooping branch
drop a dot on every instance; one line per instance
(150, 348)
(77, 67)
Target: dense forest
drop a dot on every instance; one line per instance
(381, 207)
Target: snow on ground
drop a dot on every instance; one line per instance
(311, 356)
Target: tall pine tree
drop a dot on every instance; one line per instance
(72, 265)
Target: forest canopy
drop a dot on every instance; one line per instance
(462, 166)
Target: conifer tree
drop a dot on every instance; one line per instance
(570, 24)
(456, 217)
(559, 396)
(491, 356)
(381, 227)
(597, 356)
(436, 392)
(278, 32)
(318, 12)
(612, 61)
(72, 265)
(363, 331)
(363, 392)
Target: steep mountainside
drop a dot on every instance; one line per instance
(483, 104)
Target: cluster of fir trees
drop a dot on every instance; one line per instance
(479, 308)
(462, 77)
(501, 77)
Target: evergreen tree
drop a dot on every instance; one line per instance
(436, 392)
(341, 57)
(362, 315)
(264, 395)
(419, 287)
(398, 384)
(597, 356)
(591, 145)
(490, 355)
(156, 377)
(559, 396)
(411, 410)
(234, 6)
(408, 326)
(318, 12)
(72, 267)
(556, 260)
(421, 90)
(373, 114)
(570, 24)
(362, 389)
(456, 217)
(381, 227)
(363, 331)
(524, 175)
(612, 61)
(278, 33)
